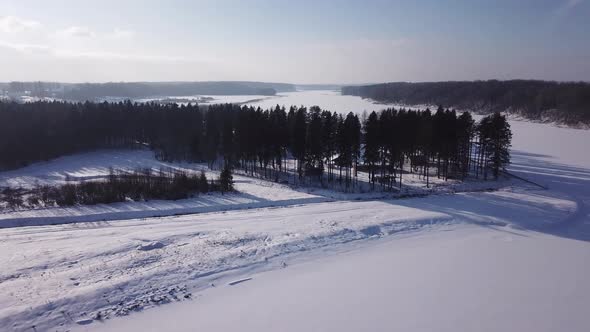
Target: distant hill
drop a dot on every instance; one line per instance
(567, 103)
(94, 91)
(311, 87)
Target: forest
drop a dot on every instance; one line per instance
(94, 91)
(564, 102)
(309, 143)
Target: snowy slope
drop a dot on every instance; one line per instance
(94, 270)
(459, 279)
(80, 272)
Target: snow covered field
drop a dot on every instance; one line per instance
(253, 193)
(452, 279)
(513, 259)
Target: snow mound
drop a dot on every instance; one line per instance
(151, 246)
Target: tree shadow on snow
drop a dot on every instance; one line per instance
(547, 211)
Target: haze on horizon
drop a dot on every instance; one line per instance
(294, 41)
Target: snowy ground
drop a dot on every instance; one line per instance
(453, 279)
(253, 193)
(514, 259)
(81, 272)
(107, 269)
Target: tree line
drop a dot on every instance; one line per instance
(566, 102)
(140, 184)
(95, 91)
(311, 143)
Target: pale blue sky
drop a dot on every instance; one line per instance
(294, 41)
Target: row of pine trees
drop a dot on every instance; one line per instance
(453, 145)
(307, 143)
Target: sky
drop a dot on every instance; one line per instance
(304, 41)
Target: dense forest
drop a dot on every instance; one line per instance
(95, 91)
(567, 103)
(314, 143)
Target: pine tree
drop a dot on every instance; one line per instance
(298, 138)
(203, 183)
(465, 131)
(372, 146)
(329, 128)
(226, 180)
(314, 138)
(498, 138)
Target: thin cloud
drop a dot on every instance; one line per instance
(12, 24)
(118, 56)
(86, 32)
(572, 3)
(27, 48)
(568, 6)
(122, 34)
(77, 31)
(35, 49)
